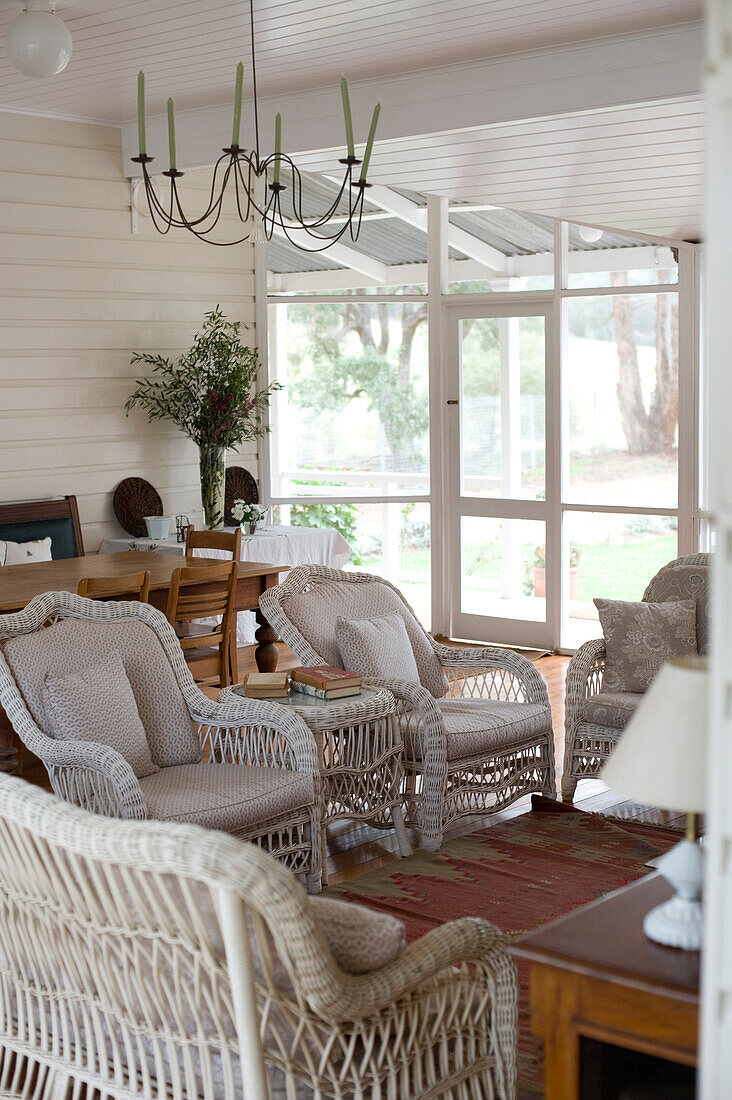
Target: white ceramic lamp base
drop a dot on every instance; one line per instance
(678, 922)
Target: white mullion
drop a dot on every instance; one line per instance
(602, 291)
(620, 509)
(264, 451)
(442, 549)
(688, 400)
(555, 439)
(351, 499)
(339, 299)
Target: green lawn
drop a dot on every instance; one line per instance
(620, 570)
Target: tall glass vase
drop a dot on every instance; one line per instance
(213, 481)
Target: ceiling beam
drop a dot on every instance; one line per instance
(416, 215)
(642, 258)
(340, 254)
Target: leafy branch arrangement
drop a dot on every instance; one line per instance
(209, 392)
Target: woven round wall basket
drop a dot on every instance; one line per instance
(240, 485)
(134, 498)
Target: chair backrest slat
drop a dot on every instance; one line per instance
(230, 541)
(133, 585)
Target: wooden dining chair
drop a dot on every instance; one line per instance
(134, 586)
(228, 542)
(206, 648)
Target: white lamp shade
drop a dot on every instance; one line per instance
(661, 758)
(38, 42)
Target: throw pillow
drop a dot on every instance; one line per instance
(21, 553)
(640, 637)
(378, 648)
(359, 939)
(97, 704)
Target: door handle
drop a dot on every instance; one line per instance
(453, 402)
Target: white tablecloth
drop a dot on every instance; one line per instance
(280, 545)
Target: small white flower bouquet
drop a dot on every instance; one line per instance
(248, 516)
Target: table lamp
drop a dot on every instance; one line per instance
(661, 760)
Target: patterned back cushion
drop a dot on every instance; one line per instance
(640, 637)
(97, 704)
(377, 647)
(73, 644)
(685, 582)
(316, 613)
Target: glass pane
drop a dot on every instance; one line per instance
(390, 540)
(616, 259)
(502, 570)
(612, 557)
(353, 415)
(504, 250)
(502, 407)
(621, 375)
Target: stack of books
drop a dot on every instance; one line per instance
(325, 681)
(266, 685)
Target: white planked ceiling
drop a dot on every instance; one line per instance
(637, 168)
(189, 48)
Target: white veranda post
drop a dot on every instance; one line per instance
(716, 1062)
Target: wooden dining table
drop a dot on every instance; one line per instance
(20, 583)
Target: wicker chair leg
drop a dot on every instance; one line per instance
(569, 786)
(397, 816)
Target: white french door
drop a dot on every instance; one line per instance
(504, 539)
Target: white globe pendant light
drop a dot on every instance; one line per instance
(38, 42)
(589, 233)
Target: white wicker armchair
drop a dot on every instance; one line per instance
(590, 740)
(477, 729)
(262, 781)
(160, 960)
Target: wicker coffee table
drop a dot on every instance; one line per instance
(360, 750)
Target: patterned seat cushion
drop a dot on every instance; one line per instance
(316, 612)
(685, 582)
(229, 797)
(611, 708)
(97, 705)
(73, 644)
(485, 726)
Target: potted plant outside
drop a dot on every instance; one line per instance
(539, 572)
(211, 394)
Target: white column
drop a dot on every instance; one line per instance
(716, 1046)
(445, 534)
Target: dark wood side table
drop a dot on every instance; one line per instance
(599, 984)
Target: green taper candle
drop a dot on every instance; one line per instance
(171, 134)
(141, 139)
(347, 117)
(370, 143)
(237, 103)
(278, 146)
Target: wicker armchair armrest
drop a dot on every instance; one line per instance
(95, 777)
(415, 698)
(466, 940)
(584, 677)
(504, 673)
(254, 731)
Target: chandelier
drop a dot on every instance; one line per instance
(257, 184)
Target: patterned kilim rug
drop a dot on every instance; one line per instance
(517, 874)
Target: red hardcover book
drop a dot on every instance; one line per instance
(325, 676)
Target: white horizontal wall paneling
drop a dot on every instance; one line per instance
(79, 293)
